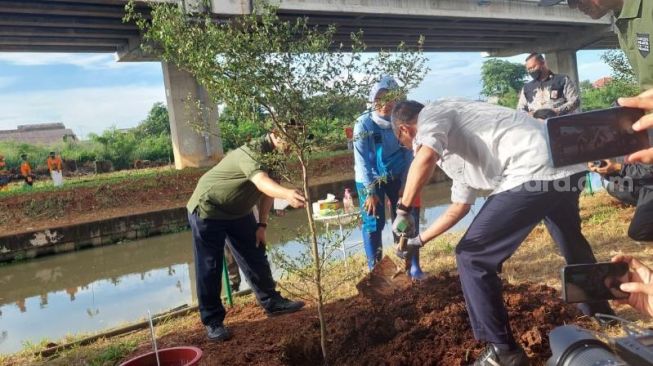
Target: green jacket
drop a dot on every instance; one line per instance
(634, 28)
(226, 192)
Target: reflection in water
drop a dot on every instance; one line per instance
(91, 290)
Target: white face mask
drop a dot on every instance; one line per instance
(381, 121)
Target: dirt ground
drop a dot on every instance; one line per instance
(423, 325)
(133, 195)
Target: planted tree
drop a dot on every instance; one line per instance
(291, 71)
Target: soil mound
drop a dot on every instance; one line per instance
(424, 325)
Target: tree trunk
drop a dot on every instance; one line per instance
(316, 259)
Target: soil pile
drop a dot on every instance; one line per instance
(424, 325)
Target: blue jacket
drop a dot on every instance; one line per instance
(372, 141)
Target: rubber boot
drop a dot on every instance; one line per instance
(415, 270)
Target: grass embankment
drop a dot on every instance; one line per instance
(122, 193)
(605, 224)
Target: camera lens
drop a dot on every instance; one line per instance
(573, 346)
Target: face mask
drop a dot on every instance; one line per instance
(535, 74)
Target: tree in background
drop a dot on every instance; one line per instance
(291, 71)
(623, 83)
(502, 79)
(156, 123)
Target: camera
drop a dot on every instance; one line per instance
(572, 345)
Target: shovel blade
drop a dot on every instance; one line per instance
(384, 280)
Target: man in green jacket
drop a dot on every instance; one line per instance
(221, 208)
(634, 26)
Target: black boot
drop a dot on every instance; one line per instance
(281, 306)
(217, 332)
(492, 356)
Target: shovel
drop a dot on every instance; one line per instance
(386, 278)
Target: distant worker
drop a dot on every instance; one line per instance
(55, 168)
(26, 171)
(548, 94)
(5, 177)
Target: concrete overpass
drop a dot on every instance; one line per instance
(498, 27)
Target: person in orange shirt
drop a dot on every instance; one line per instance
(54, 166)
(26, 171)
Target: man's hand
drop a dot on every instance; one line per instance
(639, 284)
(295, 198)
(260, 237)
(370, 204)
(404, 224)
(610, 168)
(643, 101)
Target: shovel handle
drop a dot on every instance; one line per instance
(403, 242)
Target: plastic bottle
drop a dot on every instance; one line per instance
(347, 201)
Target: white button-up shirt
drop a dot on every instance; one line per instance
(485, 147)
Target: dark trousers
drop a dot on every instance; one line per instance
(500, 227)
(208, 248)
(641, 226)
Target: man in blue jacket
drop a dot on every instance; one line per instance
(381, 165)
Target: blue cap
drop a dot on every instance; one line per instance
(386, 82)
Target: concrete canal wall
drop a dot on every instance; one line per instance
(109, 231)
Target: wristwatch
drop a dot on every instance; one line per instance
(401, 206)
(262, 224)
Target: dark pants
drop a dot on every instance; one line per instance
(498, 230)
(641, 226)
(208, 247)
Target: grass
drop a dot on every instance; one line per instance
(605, 225)
(87, 181)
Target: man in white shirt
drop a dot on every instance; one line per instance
(484, 147)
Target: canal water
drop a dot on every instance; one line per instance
(88, 291)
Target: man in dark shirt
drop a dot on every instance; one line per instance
(633, 185)
(556, 94)
(221, 207)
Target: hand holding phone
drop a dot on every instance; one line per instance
(594, 282)
(595, 135)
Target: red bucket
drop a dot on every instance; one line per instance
(175, 356)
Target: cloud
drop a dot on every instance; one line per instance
(84, 110)
(89, 61)
(593, 70)
(6, 81)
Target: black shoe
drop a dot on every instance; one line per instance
(218, 333)
(282, 306)
(492, 356)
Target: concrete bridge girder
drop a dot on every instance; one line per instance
(500, 27)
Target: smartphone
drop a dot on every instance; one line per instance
(593, 282)
(595, 135)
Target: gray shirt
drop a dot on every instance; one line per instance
(486, 147)
(558, 92)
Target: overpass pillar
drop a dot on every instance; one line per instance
(194, 131)
(564, 62)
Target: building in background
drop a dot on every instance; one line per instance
(43, 133)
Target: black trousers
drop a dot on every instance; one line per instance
(500, 227)
(208, 248)
(641, 196)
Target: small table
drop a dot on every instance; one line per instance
(340, 219)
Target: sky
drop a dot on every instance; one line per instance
(92, 92)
